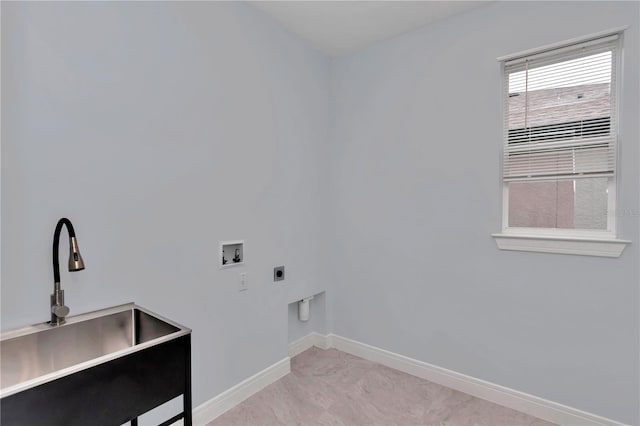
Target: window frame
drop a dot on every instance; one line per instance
(594, 242)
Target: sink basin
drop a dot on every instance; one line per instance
(40, 353)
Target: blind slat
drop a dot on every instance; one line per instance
(559, 118)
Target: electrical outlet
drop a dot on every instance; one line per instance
(243, 284)
(278, 273)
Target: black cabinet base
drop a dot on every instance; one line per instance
(108, 394)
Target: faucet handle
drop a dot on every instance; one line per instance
(60, 311)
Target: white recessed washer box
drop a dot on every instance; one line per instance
(231, 253)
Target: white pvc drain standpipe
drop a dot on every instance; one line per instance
(303, 309)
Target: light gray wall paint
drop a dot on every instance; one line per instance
(161, 129)
(416, 174)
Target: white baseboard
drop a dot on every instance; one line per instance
(520, 401)
(298, 346)
(312, 339)
(228, 399)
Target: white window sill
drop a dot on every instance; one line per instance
(564, 245)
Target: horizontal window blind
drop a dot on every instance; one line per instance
(559, 113)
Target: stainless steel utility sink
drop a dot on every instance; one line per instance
(36, 354)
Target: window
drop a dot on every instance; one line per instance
(560, 143)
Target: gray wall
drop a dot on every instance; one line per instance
(160, 129)
(414, 221)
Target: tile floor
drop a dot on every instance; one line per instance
(329, 387)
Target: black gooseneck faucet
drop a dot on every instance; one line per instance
(58, 309)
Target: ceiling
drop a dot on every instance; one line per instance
(341, 27)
